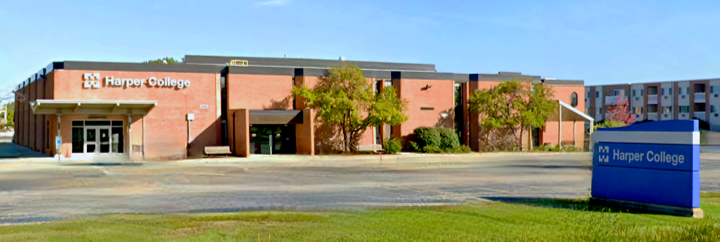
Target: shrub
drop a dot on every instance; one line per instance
(427, 136)
(448, 138)
(610, 124)
(459, 149)
(392, 146)
(414, 146)
(436, 140)
(432, 149)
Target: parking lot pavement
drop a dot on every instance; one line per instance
(32, 192)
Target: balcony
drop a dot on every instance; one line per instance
(652, 116)
(700, 115)
(652, 99)
(699, 97)
(611, 100)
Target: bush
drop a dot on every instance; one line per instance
(392, 146)
(437, 140)
(610, 124)
(448, 138)
(459, 149)
(432, 149)
(427, 136)
(414, 146)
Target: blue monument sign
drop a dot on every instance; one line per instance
(652, 165)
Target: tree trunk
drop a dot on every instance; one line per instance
(521, 138)
(345, 140)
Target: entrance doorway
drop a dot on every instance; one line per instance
(93, 137)
(272, 139)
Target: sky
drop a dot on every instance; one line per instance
(600, 42)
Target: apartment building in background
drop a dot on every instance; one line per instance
(683, 100)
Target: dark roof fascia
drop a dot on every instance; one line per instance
(253, 70)
(305, 63)
(426, 75)
(502, 78)
(323, 72)
(565, 82)
(139, 67)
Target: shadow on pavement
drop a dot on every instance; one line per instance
(12, 150)
(587, 167)
(571, 204)
(101, 164)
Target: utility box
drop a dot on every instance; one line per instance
(190, 117)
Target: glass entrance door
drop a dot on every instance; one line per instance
(97, 140)
(272, 139)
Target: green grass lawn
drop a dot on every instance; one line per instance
(533, 220)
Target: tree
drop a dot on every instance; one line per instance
(346, 100)
(621, 112)
(10, 115)
(537, 108)
(513, 105)
(166, 60)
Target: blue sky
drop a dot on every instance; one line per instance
(601, 42)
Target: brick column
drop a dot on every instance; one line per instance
(305, 133)
(239, 132)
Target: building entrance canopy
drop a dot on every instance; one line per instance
(101, 107)
(566, 113)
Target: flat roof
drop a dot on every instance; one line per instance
(306, 63)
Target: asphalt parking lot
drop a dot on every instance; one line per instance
(31, 192)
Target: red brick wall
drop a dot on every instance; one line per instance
(439, 97)
(259, 91)
(166, 130)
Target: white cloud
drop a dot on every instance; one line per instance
(276, 3)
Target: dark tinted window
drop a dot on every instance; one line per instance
(78, 140)
(117, 123)
(97, 123)
(77, 123)
(573, 100)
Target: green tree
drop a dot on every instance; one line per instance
(346, 100)
(513, 105)
(537, 108)
(166, 60)
(10, 115)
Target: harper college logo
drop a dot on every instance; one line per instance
(91, 80)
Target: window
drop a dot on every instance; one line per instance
(670, 91)
(617, 92)
(667, 110)
(573, 100)
(599, 110)
(712, 108)
(712, 89)
(597, 94)
(641, 92)
(684, 109)
(688, 90)
(634, 93)
(638, 110)
(663, 91)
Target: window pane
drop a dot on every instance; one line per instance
(77, 123)
(117, 140)
(78, 140)
(117, 123)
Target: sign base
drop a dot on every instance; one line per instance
(650, 207)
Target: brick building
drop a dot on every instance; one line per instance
(173, 111)
(683, 100)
